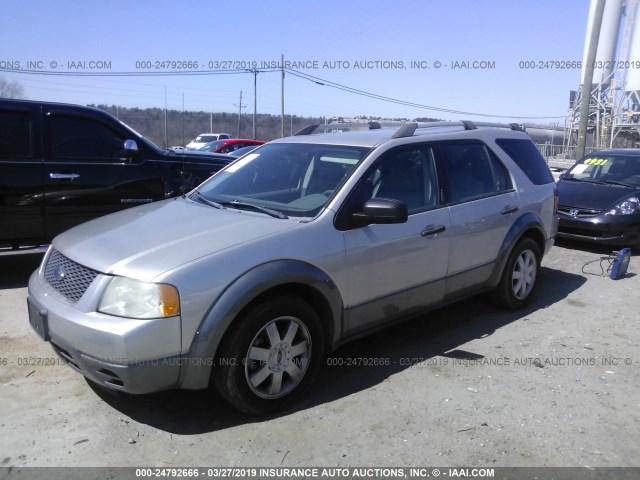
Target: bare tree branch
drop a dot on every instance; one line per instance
(10, 89)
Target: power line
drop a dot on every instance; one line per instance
(356, 91)
(178, 73)
(295, 73)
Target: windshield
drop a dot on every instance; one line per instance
(622, 169)
(295, 179)
(211, 146)
(205, 138)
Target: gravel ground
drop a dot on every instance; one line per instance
(557, 384)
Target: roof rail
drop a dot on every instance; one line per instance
(339, 126)
(469, 125)
(308, 130)
(406, 129)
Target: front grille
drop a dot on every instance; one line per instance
(69, 278)
(578, 212)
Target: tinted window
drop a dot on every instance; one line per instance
(528, 158)
(77, 137)
(469, 171)
(15, 134)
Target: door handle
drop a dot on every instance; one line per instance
(509, 209)
(432, 230)
(64, 176)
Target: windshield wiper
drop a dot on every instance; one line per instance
(585, 180)
(600, 182)
(211, 203)
(257, 208)
(613, 182)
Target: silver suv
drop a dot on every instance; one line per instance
(292, 250)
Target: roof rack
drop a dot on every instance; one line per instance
(469, 125)
(404, 129)
(342, 127)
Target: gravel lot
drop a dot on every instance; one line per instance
(557, 384)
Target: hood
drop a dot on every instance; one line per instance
(145, 241)
(592, 195)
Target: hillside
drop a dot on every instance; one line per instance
(182, 127)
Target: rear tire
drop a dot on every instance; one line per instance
(270, 355)
(519, 278)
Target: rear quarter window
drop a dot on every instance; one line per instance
(525, 154)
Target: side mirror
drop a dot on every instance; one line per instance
(130, 148)
(381, 211)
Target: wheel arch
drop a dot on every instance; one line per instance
(291, 276)
(528, 225)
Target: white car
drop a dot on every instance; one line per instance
(204, 138)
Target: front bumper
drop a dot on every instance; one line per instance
(619, 230)
(134, 356)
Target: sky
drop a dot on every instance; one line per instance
(471, 58)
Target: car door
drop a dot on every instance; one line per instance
(483, 207)
(394, 269)
(87, 172)
(21, 189)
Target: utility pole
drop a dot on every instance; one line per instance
(282, 103)
(255, 99)
(166, 136)
(183, 142)
(585, 101)
(239, 113)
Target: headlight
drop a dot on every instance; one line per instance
(129, 298)
(627, 207)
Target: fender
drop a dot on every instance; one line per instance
(527, 222)
(197, 364)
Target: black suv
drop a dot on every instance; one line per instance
(61, 165)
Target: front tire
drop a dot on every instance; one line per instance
(518, 283)
(270, 355)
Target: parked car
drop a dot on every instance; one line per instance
(229, 145)
(204, 138)
(242, 151)
(292, 250)
(61, 165)
(599, 199)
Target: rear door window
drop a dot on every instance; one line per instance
(469, 170)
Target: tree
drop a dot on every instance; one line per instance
(10, 89)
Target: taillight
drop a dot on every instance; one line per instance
(555, 201)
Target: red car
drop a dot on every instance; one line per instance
(229, 145)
